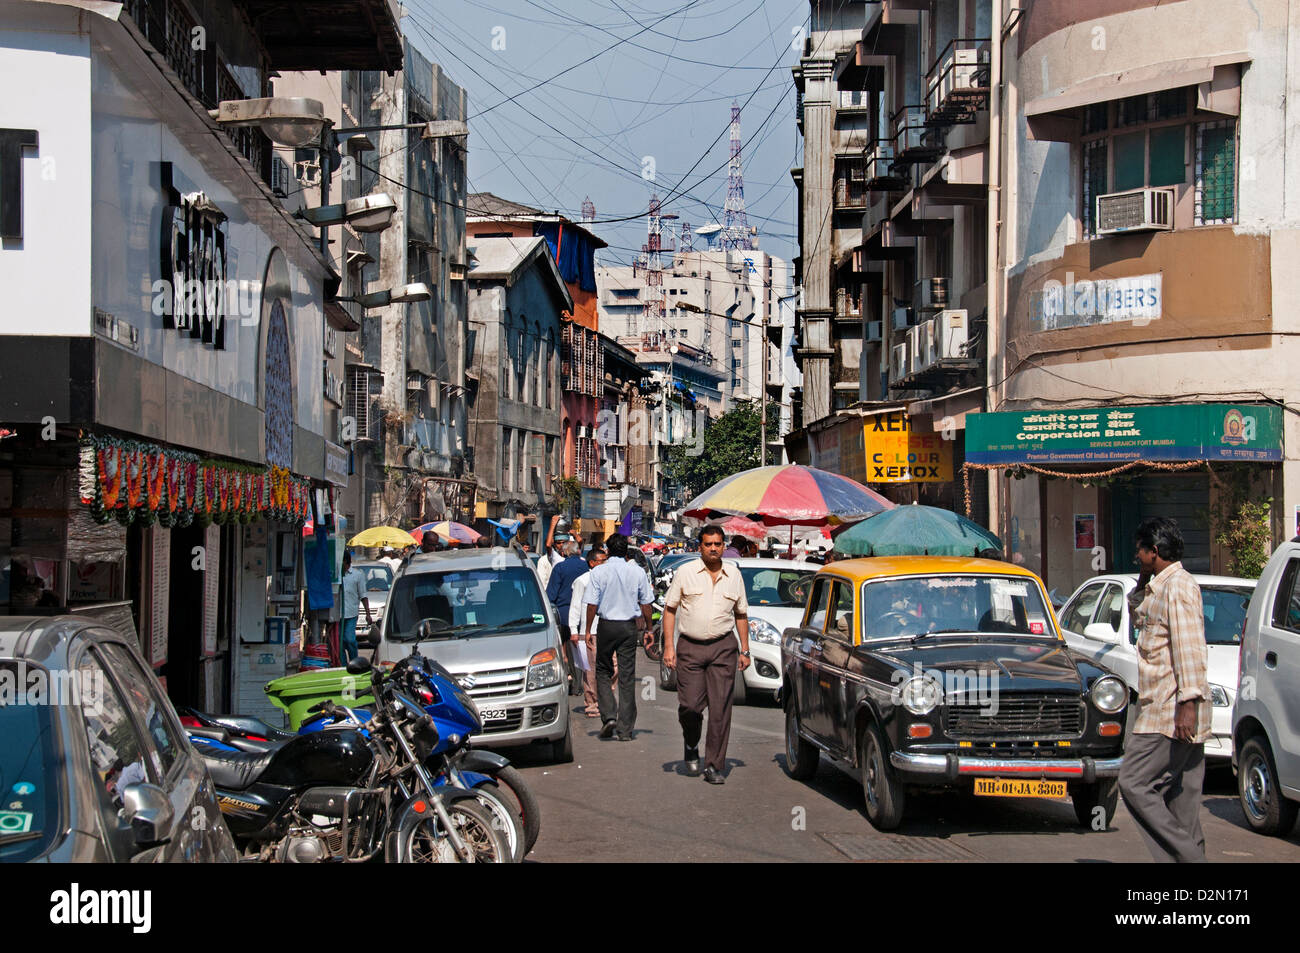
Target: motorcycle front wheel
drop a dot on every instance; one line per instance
(427, 842)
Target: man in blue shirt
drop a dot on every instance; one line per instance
(354, 597)
(559, 592)
(616, 592)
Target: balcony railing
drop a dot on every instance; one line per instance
(881, 175)
(957, 84)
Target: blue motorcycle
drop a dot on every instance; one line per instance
(498, 785)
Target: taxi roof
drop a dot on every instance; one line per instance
(872, 567)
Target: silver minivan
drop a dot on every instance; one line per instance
(483, 615)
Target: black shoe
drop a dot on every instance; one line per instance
(607, 729)
(692, 762)
(714, 776)
(625, 736)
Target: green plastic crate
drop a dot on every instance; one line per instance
(295, 694)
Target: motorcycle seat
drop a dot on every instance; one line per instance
(244, 724)
(236, 770)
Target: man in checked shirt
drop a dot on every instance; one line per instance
(1164, 763)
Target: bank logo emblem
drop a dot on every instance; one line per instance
(1234, 427)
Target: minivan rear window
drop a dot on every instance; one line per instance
(31, 769)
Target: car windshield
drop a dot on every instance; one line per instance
(1225, 613)
(30, 765)
(771, 587)
(463, 603)
(938, 605)
(378, 578)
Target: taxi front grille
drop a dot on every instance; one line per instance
(1040, 717)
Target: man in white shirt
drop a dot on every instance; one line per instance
(578, 630)
(354, 597)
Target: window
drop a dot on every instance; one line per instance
(1110, 608)
(1075, 616)
(507, 459)
(683, 332)
(1215, 172)
(1286, 605)
(149, 705)
(841, 626)
(817, 604)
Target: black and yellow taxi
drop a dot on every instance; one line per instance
(949, 672)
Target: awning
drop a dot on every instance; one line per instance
(1218, 76)
(949, 410)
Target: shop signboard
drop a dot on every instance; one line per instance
(1072, 303)
(593, 504)
(896, 453)
(1091, 435)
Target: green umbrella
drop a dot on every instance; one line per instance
(916, 531)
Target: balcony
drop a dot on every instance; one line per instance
(957, 84)
(887, 23)
(850, 184)
(861, 69)
(881, 172)
(918, 214)
(328, 34)
(914, 141)
(848, 306)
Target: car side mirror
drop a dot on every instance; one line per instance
(146, 808)
(1101, 632)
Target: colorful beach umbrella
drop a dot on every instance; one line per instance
(789, 495)
(916, 530)
(448, 529)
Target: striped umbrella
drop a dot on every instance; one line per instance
(789, 495)
(449, 530)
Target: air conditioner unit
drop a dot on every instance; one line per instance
(918, 347)
(879, 161)
(909, 128)
(959, 70)
(1137, 210)
(902, 318)
(873, 332)
(930, 294)
(898, 362)
(948, 336)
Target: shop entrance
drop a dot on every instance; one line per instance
(185, 618)
(1184, 498)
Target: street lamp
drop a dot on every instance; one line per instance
(405, 294)
(369, 213)
(291, 121)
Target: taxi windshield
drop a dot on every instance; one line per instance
(952, 604)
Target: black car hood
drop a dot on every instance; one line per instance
(1032, 665)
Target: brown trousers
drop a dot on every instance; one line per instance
(706, 676)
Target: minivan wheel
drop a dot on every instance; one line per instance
(1266, 810)
(562, 750)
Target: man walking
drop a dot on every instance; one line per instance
(704, 603)
(616, 591)
(579, 632)
(354, 596)
(559, 593)
(1164, 761)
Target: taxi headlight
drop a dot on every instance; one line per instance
(920, 695)
(760, 630)
(1109, 694)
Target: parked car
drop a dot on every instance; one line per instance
(1096, 623)
(1266, 716)
(484, 616)
(947, 672)
(95, 764)
(379, 580)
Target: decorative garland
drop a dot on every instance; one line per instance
(130, 480)
(1100, 474)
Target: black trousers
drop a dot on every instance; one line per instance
(706, 677)
(621, 637)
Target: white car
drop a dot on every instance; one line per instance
(773, 607)
(1096, 624)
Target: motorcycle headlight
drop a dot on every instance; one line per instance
(1219, 696)
(543, 670)
(920, 695)
(760, 630)
(1109, 694)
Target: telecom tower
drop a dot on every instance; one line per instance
(588, 210)
(688, 237)
(654, 268)
(735, 225)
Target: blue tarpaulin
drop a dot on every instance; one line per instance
(318, 557)
(577, 258)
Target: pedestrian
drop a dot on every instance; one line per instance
(705, 602)
(1164, 760)
(484, 542)
(429, 542)
(559, 593)
(389, 557)
(580, 633)
(616, 592)
(354, 597)
(737, 547)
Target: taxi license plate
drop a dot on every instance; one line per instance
(494, 714)
(1008, 787)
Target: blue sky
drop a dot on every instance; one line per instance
(653, 104)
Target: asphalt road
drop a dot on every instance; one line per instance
(631, 801)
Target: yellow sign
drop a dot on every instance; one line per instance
(897, 454)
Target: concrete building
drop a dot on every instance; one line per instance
(516, 298)
(163, 327)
